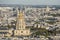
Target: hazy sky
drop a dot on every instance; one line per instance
(31, 2)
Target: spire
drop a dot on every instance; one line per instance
(47, 9)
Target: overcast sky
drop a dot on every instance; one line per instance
(31, 2)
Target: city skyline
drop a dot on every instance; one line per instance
(29, 23)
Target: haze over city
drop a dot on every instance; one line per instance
(31, 2)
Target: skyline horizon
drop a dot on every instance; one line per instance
(23, 4)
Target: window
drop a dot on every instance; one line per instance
(21, 31)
